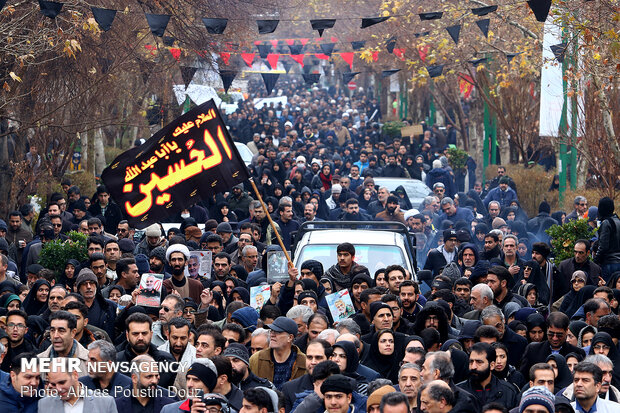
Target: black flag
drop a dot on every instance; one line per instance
(510, 56)
(190, 159)
(215, 26)
(388, 73)
(540, 8)
(50, 9)
(434, 71)
(2, 3)
(371, 21)
(104, 17)
(558, 51)
(358, 45)
(227, 78)
(421, 34)
(434, 15)
(477, 62)
(295, 48)
(483, 11)
(311, 78)
(263, 50)
(270, 80)
(187, 73)
(267, 26)
(390, 44)
(321, 24)
(454, 32)
(483, 25)
(348, 76)
(158, 23)
(327, 48)
(287, 65)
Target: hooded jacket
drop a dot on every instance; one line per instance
(352, 365)
(11, 400)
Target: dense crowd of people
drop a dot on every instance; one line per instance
(490, 322)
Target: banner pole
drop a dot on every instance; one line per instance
(273, 225)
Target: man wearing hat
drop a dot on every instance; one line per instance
(225, 231)
(177, 256)
(391, 212)
(537, 399)
(374, 400)
(201, 377)
(157, 261)
(152, 239)
(540, 252)
(337, 391)
(282, 361)
(239, 201)
(101, 311)
(440, 257)
(241, 375)
(502, 194)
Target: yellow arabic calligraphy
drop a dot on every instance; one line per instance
(202, 118)
(166, 149)
(131, 172)
(177, 173)
(183, 128)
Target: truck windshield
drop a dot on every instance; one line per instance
(372, 257)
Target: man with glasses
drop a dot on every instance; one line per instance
(556, 343)
(439, 190)
(16, 329)
(580, 209)
(171, 307)
(244, 239)
(580, 261)
(124, 230)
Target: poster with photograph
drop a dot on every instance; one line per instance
(199, 264)
(150, 290)
(340, 305)
(259, 295)
(277, 267)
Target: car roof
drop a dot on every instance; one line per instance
(355, 237)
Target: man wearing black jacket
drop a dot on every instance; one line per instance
(492, 316)
(482, 384)
(556, 342)
(317, 351)
(439, 257)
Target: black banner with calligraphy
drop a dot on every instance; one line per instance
(191, 158)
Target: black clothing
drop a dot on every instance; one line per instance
(497, 390)
(292, 387)
(538, 353)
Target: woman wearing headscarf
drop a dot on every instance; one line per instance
(563, 376)
(69, 275)
(10, 302)
(577, 296)
(36, 300)
(614, 281)
(572, 335)
(602, 343)
(505, 371)
(536, 328)
(585, 337)
(608, 252)
(323, 180)
(532, 274)
(352, 363)
(223, 213)
(385, 354)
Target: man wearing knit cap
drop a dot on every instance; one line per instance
(540, 252)
(392, 211)
(152, 239)
(157, 260)
(374, 400)
(177, 256)
(537, 399)
(241, 375)
(201, 376)
(333, 201)
(381, 315)
(337, 392)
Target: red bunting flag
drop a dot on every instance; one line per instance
(423, 52)
(272, 58)
(257, 42)
(225, 57)
(466, 85)
(348, 57)
(274, 43)
(303, 41)
(375, 56)
(176, 53)
(299, 58)
(334, 40)
(290, 42)
(321, 56)
(248, 58)
(400, 53)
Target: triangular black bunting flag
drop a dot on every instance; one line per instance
(477, 62)
(227, 78)
(158, 23)
(388, 73)
(215, 26)
(510, 56)
(454, 32)
(322, 24)
(287, 65)
(358, 45)
(558, 51)
(540, 8)
(434, 15)
(270, 80)
(168, 41)
(267, 26)
(263, 50)
(50, 9)
(311, 78)
(391, 44)
(187, 73)
(484, 26)
(483, 11)
(371, 21)
(348, 76)
(295, 48)
(434, 71)
(2, 3)
(421, 34)
(327, 48)
(104, 17)
(105, 64)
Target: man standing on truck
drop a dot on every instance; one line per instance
(343, 272)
